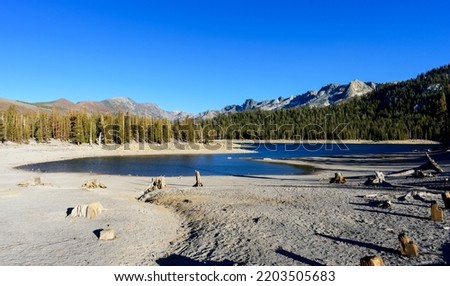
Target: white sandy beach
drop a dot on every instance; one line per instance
(272, 220)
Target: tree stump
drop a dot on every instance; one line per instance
(387, 204)
(338, 179)
(378, 179)
(157, 183)
(107, 234)
(437, 214)
(446, 198)
(93, 184)
(371, 261)
(407, 246)
(198, 180)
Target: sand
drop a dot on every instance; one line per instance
(259, 220)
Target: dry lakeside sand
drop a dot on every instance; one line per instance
(253, 220)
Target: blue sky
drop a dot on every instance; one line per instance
(204, 54)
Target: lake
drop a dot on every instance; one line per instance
(221, 164)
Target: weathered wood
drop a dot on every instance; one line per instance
(446, 198)
(93, 184)
(377, 179)
(437, 214)
(157, 183)
(198, 180)
(407, 246)
(387, 204)
(107, 234)
(421, 174)
(430, 165)
(89, 211)
(371, 261)
(418, 172)
(338, 179)
(35, 181)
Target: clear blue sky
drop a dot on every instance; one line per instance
(198, 55)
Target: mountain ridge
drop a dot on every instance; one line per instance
(329, 94)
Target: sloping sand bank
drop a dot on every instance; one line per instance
(305, 220)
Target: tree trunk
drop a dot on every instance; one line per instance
(198, 180)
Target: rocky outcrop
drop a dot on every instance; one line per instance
(327, 95)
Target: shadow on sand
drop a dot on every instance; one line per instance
(69, 211)
(299, 258)
(396, 214)
(361, 244)
(446, 253)
(179, 260)
(97, 232)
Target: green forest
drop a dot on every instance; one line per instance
(412, 109)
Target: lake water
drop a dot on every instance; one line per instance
(220, 164)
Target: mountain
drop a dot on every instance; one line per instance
(112, 105)
(327, 95)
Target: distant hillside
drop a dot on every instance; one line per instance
(113, 105)
(327, 95)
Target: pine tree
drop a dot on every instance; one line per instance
(2, 129)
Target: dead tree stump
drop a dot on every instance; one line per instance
(371, 261)
(338, 179)
(437, 214)
(93, 184)
(407, 246)
(107, 234)
(198, 180)
(377, 179)
(157, 183)
(446, 198)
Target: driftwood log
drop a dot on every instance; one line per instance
(407, 246)
(36, 181)
(446, 198)
(371, 261)
(157, 183)
(418, 172)
(93, 184)
(338, 179)
(430, 165)
(437, 214)
(198, 180)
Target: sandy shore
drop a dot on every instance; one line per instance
(272, 220)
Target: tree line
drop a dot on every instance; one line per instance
(80, 127)
(413, 109)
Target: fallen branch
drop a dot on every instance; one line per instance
(418, 172)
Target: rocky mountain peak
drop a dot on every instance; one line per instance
(327, 95)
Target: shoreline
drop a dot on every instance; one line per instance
(57, 150)
(393, 142)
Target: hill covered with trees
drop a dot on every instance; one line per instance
(412, 109)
